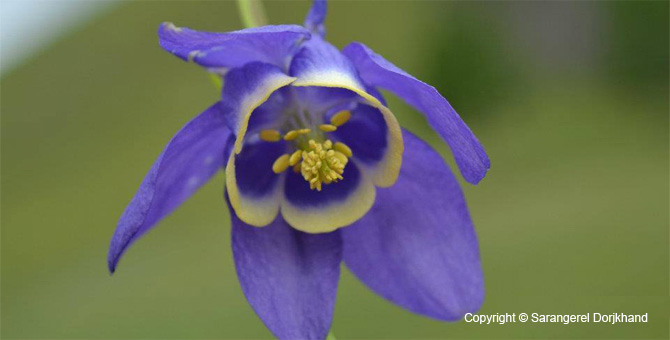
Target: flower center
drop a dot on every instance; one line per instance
(321, 164)
(319, 161)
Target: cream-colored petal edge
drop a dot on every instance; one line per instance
(325, 219)
(252, 211)
(254, 100)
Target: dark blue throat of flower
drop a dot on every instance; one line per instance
(317, 134)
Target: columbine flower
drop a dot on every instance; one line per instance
(306, 140)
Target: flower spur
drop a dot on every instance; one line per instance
(318, 171)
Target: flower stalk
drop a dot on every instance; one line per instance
(252, 13)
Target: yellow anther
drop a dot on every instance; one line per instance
(295, 158)
(270, 135)
(293, 134)
(343, 148)
(327, 127)
(340, 118)
(315, 183)
(343, 159)
(280, 164)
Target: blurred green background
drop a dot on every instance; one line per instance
(570, 100)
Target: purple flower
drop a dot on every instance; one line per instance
(318, 171)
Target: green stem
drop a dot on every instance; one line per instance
(252, 13)
(217, 80)
(331, 336)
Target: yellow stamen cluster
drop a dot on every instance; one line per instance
(321, 164)
(318, 162)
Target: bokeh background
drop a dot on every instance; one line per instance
(570, 100)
